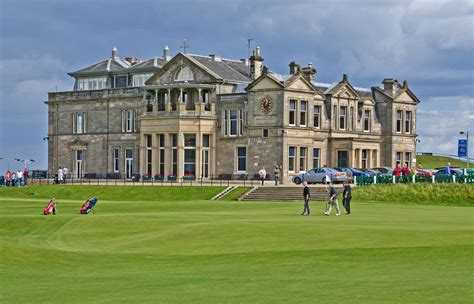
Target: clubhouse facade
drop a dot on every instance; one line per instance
(205, 116)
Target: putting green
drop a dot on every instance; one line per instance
(233, 252)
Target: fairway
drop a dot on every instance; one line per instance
(234, 252)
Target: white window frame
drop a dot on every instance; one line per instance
(316, 157)
(303, 157)
(407, 159)
(303, 113)
(317, 117)
(343, 118)
(397, 119)
(140, 79)
(233, 120)
(291, 159)
(292, 112)
(190, 148)
(398, 158)
(408, 117)
(129, 121)
(85, 84)
(367, 119)
(79, 123)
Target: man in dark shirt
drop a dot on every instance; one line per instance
(306, 196)
(346, 197)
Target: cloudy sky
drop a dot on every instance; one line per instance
(430, 43)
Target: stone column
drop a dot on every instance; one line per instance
(142, 155)
(353, 158)
(180, 169)
(198, 154)
(168, 101)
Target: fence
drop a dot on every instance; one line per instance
(117, 179)
(372, 180)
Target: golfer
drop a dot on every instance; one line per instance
(332, 201)
(346, 197)
(306, 196)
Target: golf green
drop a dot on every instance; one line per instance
(234, 252)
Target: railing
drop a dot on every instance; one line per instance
(136, 179)
(467, 178)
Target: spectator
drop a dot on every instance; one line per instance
(60, 175)
(26, 176)
(262, 173)
(19, 177)
(447, 170)
(65, 174)
(276, 172)
(406, 170)
(397, 171)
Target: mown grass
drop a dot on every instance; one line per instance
(235, 194)
(115, 193)
(432, 161)
(239, 252)
(421, 194)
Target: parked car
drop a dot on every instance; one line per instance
(319, 175)
(454, 171)
(384, 171)
(350, 177)
(358, 172)
(424, 172)
(371, 172)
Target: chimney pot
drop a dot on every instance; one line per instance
(345, 78)
(114, 53)
(166, 55)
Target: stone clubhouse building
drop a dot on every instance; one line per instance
(205, 116)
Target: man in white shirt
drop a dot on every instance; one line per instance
(65, 174)
(19, 177)
(60, 175)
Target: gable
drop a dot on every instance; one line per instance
(405, 97)
(180, 69)
(299, 84)
(265, 83)
(345, 92)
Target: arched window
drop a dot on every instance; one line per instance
(184, 74)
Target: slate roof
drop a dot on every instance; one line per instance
(151, 64)
(100, 68)
(226, 69)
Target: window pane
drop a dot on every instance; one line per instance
(205, 140)
(189, 140)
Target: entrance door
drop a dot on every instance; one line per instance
(128, 162)
(205, 164)
(79, 163)
(342, 158)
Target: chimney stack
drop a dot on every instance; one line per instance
(390, 86)
(115, 53)
(256, 64)
(166, 53)
(294, 68)
(309, 72)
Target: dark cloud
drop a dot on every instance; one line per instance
(430, 43)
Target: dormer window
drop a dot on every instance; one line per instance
(91, 84)
(140, 79)
(184, 74)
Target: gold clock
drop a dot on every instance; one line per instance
(266, 105)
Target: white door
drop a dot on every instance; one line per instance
(79, 163)
(205, 164)
(128, 162)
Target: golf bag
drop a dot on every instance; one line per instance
(50, 209)
(88, 205)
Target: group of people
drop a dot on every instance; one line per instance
(399, 171)
(16, 180)
(61, 176)
(262, 173)
(332, 201)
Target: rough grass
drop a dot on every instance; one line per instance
(431, 161)
(425, 194)
(115, 193)
(221, 252)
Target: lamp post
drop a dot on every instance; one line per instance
(467, 145)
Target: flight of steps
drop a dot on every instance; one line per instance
(286, 194)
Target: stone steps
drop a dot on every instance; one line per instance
(284, 194)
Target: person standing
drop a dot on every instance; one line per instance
(276, 172)
(65, 173)
(346, 197)
(262, 173)
(332, 200)
(397, 171)
(60, 175)
(406, 170)
(25, 177)
(448, 169)
(19, 177)
(306, 196)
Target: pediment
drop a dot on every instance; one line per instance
(265, 82)
(181, 65)
(299, 84)
(343, 90)
(405, 97)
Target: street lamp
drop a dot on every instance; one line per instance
(467, 145)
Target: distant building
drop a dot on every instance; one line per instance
(206, 116)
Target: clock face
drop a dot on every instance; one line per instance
(266, 105)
